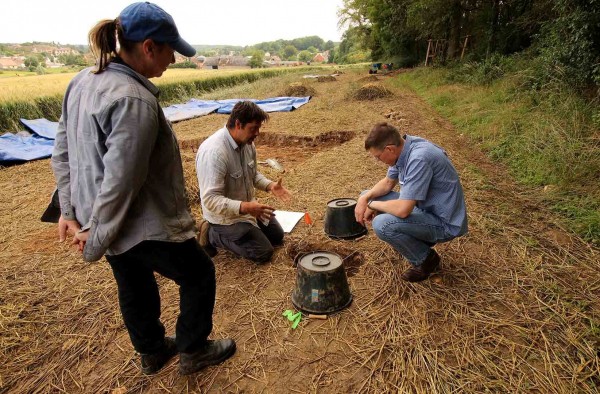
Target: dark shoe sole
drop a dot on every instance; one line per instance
(200, 366)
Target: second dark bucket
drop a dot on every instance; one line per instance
(340, 221)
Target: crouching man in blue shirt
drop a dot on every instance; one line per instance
(430, 207)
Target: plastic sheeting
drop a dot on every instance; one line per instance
(15, 148)
(194, 107)
(42, 127)
(189, 110)
(40, 144)
(275, 104)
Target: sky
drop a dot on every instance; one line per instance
(223, 22)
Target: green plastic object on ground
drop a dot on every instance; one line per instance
(293, 317)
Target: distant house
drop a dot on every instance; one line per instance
(52, 63)
(274, 60)
(11, 63)
(180, 58)
(321, 57)
(43, 49)
(65, 51)
(220, 61)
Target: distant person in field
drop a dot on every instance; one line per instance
(120, 181)
(228, 176)
(430, 207)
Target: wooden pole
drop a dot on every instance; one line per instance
(464, 47)
(427, 55)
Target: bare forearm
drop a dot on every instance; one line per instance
(399, 208)
(381, 188)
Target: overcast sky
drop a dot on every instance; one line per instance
(233, 22)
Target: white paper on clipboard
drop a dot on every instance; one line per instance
(287, 219)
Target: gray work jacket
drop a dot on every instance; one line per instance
(117, 163)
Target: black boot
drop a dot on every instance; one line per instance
(152, 363)
(214, 352)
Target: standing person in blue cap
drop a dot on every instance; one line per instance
(430, 207)
(120, 181)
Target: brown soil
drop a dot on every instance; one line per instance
(326, 78)
(371, 91)
(298, 89)
(514, 308)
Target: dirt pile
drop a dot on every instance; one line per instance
(298, 89)
(372, 91)
(326, 78)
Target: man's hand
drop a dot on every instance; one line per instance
(260, 211)
(369, 215)
(279, 191)
(360, 210)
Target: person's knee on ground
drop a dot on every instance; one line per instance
(276, 239)
(262, 256)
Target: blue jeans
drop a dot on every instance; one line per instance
(412, 236)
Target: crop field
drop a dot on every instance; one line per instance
(514, 309)
(19, 88)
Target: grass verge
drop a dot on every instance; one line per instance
(548, 139)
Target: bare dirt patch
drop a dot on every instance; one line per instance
(290, 151)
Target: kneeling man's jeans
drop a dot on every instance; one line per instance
(412, 236)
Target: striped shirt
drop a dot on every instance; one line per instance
(426, 174)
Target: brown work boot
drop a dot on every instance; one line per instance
(431, 263)
(422, 272)
(203, 240)
(152, 363)
(213, 353)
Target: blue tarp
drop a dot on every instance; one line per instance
(189, 110)
(42, 127)
(21, 148)
(275, 104)
(18, 148)
(195, 107)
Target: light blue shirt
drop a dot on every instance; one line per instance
(426, 174)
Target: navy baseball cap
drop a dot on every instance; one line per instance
(143, 20)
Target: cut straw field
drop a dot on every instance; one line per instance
(29, 87)
(515, 307)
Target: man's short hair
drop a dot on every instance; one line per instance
(246, 112)
(382, 135)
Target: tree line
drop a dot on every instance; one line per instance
(302, 49)
(562, 35)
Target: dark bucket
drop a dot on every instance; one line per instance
(321, 284)
(340, 221)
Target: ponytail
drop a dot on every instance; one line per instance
(103, 42)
